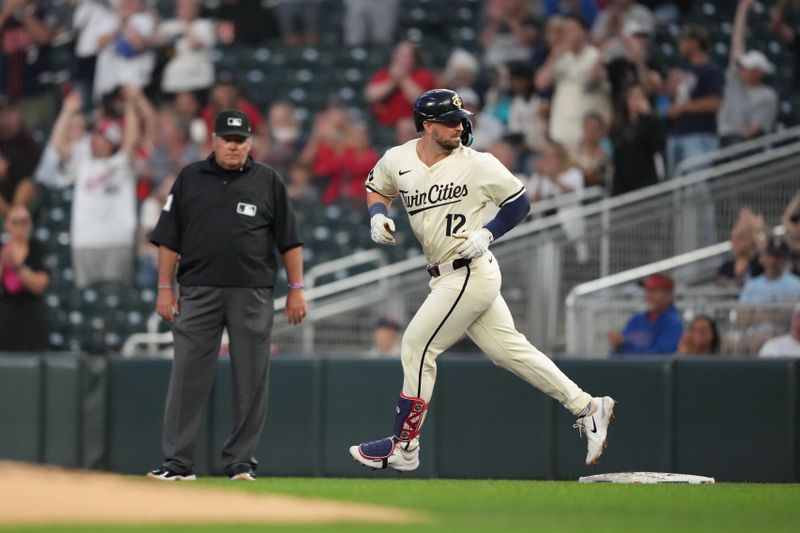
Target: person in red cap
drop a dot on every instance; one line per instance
(657, 330)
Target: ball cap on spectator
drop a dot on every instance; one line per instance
(232, 122)
(658, 281)
(777, 246)
(110, 130)
(756, 60)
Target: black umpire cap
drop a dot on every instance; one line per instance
(232, 122)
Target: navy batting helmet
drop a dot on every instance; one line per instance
(442, 105)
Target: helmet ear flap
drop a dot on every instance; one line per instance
(466, 135)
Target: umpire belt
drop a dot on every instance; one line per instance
(437, 270)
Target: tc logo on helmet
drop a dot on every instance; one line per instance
(457, 101)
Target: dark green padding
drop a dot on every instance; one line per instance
(490, 423)
(358, 404)
(640, 434)
(736, 421)
(137, 390)
(290, 442)
(63, 413)
(21, 398)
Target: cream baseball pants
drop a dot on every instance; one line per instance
(468, 300)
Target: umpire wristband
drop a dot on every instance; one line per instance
(165, 287)
(296, 286)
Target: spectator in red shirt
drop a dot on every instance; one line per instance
(348, 167)
(392, 90)
(339, 155)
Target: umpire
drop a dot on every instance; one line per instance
(224, 218)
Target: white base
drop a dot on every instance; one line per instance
(647, 478)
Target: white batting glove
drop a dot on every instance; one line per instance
(475, 243)
(382, 229)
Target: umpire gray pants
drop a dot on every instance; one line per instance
(204, 312)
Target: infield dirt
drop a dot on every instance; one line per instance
(33, 494)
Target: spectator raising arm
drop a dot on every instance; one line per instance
(58, 137)
(739, 27)
(134, 101)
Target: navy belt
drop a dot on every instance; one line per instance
(437, 270)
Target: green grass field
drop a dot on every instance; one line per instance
(484, 505)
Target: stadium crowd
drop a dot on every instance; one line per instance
(567, 94)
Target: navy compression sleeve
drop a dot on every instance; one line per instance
(509, 216)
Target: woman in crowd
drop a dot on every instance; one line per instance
(637, 138)
(701, 337)
(23, 280)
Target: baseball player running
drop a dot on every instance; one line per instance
(445, 186)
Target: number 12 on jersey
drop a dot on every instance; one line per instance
(454, 223)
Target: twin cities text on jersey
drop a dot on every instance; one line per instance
(435, 196)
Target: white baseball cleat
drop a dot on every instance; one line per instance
(595, 427)
(387, 452)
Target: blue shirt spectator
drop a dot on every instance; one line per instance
(776, 284)
(647, 332)
(655, 331)
(760, 289)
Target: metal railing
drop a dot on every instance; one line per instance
(160, 343)
(738, 150)
(597, 307)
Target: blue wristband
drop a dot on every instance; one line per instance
(378, 209)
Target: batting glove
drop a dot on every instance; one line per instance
(475, 243)
(382, 229)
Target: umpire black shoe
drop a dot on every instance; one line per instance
(165, 474)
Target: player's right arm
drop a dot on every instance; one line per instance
(381, 226)
(381, 188)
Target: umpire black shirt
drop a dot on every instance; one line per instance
(226, 225)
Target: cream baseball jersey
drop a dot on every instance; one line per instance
(446, 198)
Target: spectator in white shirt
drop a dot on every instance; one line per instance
(126, 56)
(91, 20)
(191, 68)
(103, 225)
(608, 26)
(749, 106)
(575, 72)
(786, 345)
